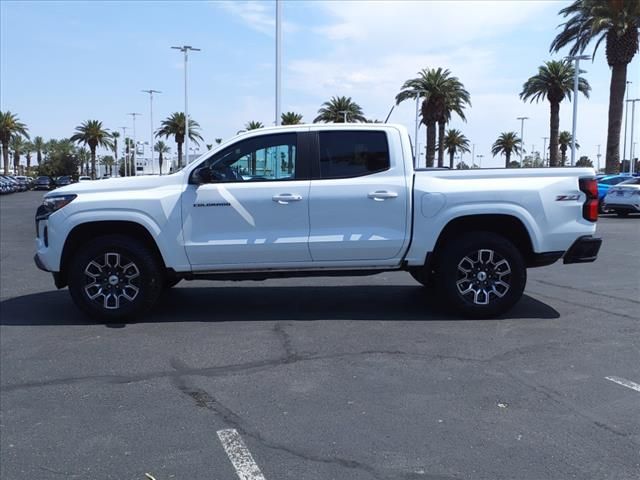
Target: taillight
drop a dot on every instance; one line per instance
(590, 208)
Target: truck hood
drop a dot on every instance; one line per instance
(119, 184)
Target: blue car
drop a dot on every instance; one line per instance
(606, 182)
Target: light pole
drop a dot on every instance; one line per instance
(598, 156)
(631, 143)
(135, 145)
(278, 58)
(124, 149)
(417, 126)
(544, 151)
(479, 156)
(576, 76)
(185, 49)
(522, 119)
(626, 120)
(151, 92)
(344, 113)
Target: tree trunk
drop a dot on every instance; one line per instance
(39, 157)
(554, 128)
(431, 144)
(179, 155)
(507, 160)
(563, 150)
(441, 126)
(28, 160)
(16, 162)
(451, 153)
(160, 159)
(93, 163)
(5, 157)
(616, 104)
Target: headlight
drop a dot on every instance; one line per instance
(53, 204)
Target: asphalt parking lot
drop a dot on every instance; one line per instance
(343, 378)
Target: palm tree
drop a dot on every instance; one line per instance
(161, 148)
(617, 22)
(507, 144)
(564, 142)
(18, 145)
(92, 134)
(38, 147)
(455, 141)
(83, 158)
(554, 81)
(108, 162)
(174, 125)
(115, 135)
(10, 125)
(290, 118)
(340, 110)
(442, 95)
(253, 125)
(28, 150)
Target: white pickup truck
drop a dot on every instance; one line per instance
(314, 200)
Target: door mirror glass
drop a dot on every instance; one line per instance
(202, 175)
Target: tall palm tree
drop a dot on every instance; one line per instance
(174, 125)
(38, 147)
(161, 148)
(554, 81)
(455, 141)
(507, 144)
(92, 134)
(617, 22)
(10, 125)
(441, 96)
(339, 110)
(19, 146)
(28, 150)
(84, 157)
(564, 142)
(253, 125)
(115, 135)
(290, 118)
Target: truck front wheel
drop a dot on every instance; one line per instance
(481, 274)
(115, 277)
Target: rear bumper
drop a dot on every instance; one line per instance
(584, 250)
(623, 207)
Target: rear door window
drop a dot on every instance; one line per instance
(345, 154)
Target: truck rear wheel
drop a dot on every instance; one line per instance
(481, 275)
(114, 278)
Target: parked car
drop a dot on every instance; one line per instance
(624, 198)
(84, 178)
(24, 181)
(6, 186)
(63, 181)
(22, 184)
(352, 204)
(605, 183)
(44, 183)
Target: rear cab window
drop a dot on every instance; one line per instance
(352, 153)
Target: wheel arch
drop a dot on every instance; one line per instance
(87, 231)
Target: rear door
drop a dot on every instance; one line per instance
(359, 196)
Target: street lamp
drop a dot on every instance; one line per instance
(544, 151)
(576, 76)
(626, 120)
(632, 144)
(151, 92)
(479, 157)
(185, 49)
(598, 155)
(124, 149)
(344, 113)
(135, 145)
(522, 119)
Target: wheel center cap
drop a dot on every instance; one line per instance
(113, 280)
(482, 276)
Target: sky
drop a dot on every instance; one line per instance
(62, 63)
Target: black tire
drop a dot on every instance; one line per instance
(120, 273)
(476, 282)
(420, 276)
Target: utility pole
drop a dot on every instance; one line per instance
(544, 151)
(522, 119)
(626, 120)
(185, 49)
(135, 145)
(124, 149)
(576, 76)
(151, 92)
(278, 59)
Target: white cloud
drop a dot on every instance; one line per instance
(258, 15)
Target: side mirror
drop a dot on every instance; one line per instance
(202, 175)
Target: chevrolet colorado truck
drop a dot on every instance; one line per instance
(314, 200)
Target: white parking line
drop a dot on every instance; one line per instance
(625, 383)
(239, 454)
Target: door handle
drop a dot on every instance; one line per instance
(382, 195)
(285, 198)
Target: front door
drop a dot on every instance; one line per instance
(255, 211)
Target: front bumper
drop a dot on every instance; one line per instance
(584, 250)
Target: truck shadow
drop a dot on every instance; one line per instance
(265, 303)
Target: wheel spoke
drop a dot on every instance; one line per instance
(111, 280)
(112, 259)
(485, 279)
(97, 269)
